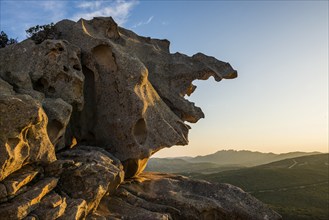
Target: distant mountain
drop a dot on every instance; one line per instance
(245, 158)
(297, 187)
(219, 161)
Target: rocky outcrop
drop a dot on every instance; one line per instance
(23, 132)
(81, 115)
(20, 206)
(93, 174)
(70, 187)
(165, 196)
(139, 87)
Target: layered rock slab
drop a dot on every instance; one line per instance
(23, 204)
(165, 196)
(52, 206)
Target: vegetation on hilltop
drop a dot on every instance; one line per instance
(5, 40)
(219, 161)
(39, 33)
(297, 188)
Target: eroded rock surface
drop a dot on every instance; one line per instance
(22, 205)
(81, 113)
(134, 90)
(165, 196)
(94, 173)
(52, 206)
(23, 133)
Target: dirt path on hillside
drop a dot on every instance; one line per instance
(289, 188)
(294, 164)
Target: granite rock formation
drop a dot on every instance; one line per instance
(81, 115)
(166, 196)
(146, 82)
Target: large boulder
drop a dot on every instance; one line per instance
(105, 86)
(89, 173)
(134, 91)
(80, 114)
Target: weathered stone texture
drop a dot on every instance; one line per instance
(134, 90)
(164, 196)
(22, 205)
(23, 134)
(93, 175)
(80, 114)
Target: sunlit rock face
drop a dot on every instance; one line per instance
(166, 196)
(50, 73)
(82, 114)
(134, 91)
(23, 132)
(102, 85)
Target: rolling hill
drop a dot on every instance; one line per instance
(245, 158)
(297, 187)
(176, 165)
(219, 161)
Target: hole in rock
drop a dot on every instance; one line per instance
(104, 57)
(140, 131)
(65, 68)
(12, 142)
(51, 89)
(40, 85)
(88, 114)
(53, 128)
(25, 151)
(77, 67)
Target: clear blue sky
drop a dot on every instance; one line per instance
(279, 102)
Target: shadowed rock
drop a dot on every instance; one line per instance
(19, 179)
(59, 113)
(93, 174)
(22, 205)
(52, 206)
(76, 209)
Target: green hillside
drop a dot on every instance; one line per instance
(174, 165)
(245, 158)
(297, 188)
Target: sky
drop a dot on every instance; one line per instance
(278, 103)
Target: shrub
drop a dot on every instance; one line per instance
(5, 41)
(39, 33)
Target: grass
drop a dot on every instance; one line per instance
(296, 188)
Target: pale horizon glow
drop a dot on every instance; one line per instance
(278, 103)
